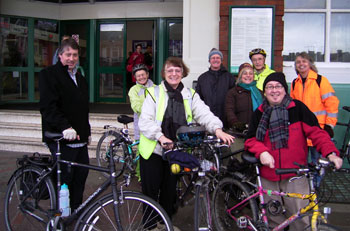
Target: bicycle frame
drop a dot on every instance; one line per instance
(109, 181)
(312, 197)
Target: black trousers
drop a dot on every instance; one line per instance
(158, 182)
(73, 176)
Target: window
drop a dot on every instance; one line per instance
(319, 27)
(14, 41)
(45, 42)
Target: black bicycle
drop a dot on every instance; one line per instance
(31, 201)
(345, 148)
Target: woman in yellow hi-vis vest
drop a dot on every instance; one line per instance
(167, 107)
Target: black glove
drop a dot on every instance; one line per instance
(329, 130)
(239, 126)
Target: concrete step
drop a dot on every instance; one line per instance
(20, 131)
(31, 145)
(34, 131)
(97, 120)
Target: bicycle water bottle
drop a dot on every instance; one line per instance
(64, 201)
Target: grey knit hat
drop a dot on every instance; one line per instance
(215, 51)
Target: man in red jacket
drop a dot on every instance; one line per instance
(277, 135)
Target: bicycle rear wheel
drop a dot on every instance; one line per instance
(202, 215)
(136, 211)
(103, 152)
(33, 213)
(228, 193)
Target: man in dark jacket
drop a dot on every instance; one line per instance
(64, 107)
(213, 85)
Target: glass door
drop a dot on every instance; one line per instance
(111, 62)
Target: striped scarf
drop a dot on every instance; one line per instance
(276, 120)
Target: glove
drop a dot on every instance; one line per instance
(69, 134)
(239, 126)
(329, 130)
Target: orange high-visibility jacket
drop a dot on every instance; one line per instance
(321, 100)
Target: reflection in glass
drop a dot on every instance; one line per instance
(340, 4)
(340, 37)
(13, 41)
(111, 44)
(14, 85)
(36, 86)
(175, 39)
(302, 4)
(304, 32)
(111, 85)
(45, 42)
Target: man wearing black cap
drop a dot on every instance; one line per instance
(213, 84)
(277, 136)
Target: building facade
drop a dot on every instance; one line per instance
(108, 30)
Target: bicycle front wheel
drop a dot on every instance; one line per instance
(136, 212)
(202, 216)
(33, 212)
(227, 194)
(103, 152)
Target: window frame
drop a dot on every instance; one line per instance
(327, 11)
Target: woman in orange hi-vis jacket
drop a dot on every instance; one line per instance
(318, 95)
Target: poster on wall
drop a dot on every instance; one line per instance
(250, 28)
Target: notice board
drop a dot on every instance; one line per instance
(250, 27)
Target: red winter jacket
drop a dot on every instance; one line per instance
(303, 124)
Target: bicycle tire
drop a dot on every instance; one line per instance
(202, 217)
(100, 215)
(228, 193)
(326, 227)
(102, 152)
(17, 215)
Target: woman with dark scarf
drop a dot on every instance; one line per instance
(243, 99)
(167, 107)
(277, 135)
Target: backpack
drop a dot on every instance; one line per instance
(318, 81)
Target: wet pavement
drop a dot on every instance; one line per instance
(336, 188)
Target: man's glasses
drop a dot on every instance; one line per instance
(271, 87)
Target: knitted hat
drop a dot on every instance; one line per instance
(244, 65)
(215, 51)
(279, 77)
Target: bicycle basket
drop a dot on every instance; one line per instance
(191, 135)
(30, 178)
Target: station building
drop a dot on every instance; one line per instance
(107, 30)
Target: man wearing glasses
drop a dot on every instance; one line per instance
(261, 70)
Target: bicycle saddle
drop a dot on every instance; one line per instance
(124, 119)
(250, 158)
(347, 108)
(53, 136)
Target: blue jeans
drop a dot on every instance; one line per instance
(315, 155)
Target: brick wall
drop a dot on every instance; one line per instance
(278, 30)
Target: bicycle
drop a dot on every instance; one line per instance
(202, 179)
(235, 205)
(345, 148)
(124, 155)
(26, 207)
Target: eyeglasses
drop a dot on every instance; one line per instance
(171, 70)
(271, 87)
